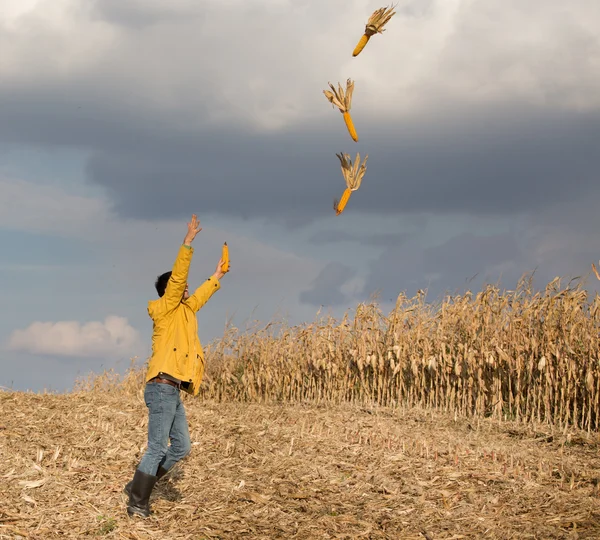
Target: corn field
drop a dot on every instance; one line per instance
(511, 355)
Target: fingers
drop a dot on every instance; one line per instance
(220, 267)
(194, 224)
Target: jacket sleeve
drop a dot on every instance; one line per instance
(203, 293)
(179, 276)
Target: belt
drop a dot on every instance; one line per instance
(166, 381)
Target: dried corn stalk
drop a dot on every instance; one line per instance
(595, 270)
(353, 176)
(343, 101)
(374, 25)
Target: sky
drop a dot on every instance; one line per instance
(119, 120)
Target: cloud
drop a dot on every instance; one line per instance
(29, 28)
(375, 239)
(469, 260)
(142, 13)
(493, 109)
(495, 53)
(46, 209)
(503, 162)
(460, 262)
(175, 68)
(112, 337)
(487, 164)
(326, 289)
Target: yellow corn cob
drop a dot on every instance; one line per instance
(225, 258)
(361, 44)
(374, 25)
(350, 126)
(339, 207)
(343, 102)
(353, 176)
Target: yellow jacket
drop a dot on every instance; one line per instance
(176, 348)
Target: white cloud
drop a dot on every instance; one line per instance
(182, 63)
(30, 28)
(12, 10)
(111, 338)
(541, 52)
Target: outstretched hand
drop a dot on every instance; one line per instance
(219, 271)
(193, 229)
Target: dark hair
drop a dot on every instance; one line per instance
(161, 283)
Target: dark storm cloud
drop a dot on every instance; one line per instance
(378, 239)
(503, 162)
(225, 173)
(461, 263)
(470, 261)
(326, 288)
(475, 169)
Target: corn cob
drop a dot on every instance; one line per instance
(344, 103)
(353, 176)
(374, 25)
(225, 258)
(339, 206)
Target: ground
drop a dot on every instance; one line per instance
(302, 471)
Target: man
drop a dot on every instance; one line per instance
(177, 363)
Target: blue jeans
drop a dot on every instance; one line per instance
(166, 420)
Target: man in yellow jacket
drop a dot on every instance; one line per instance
(177, 363)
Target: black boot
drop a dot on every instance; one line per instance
(160, 473)
(139, 498)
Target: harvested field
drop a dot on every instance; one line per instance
(292, 471)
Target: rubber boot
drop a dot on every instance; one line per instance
(159, 474)
(139, 498)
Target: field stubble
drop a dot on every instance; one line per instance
(292, 471)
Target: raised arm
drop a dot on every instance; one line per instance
(179, 274)
(207, 289)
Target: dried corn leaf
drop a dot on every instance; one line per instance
(31, 484)
(379, 19)
(253, 496)
(353, 173)
(339, 98)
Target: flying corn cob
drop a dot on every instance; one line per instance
(374, 25)
(343, 102)
(339, 206)
(225, 258)
(353, 176)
